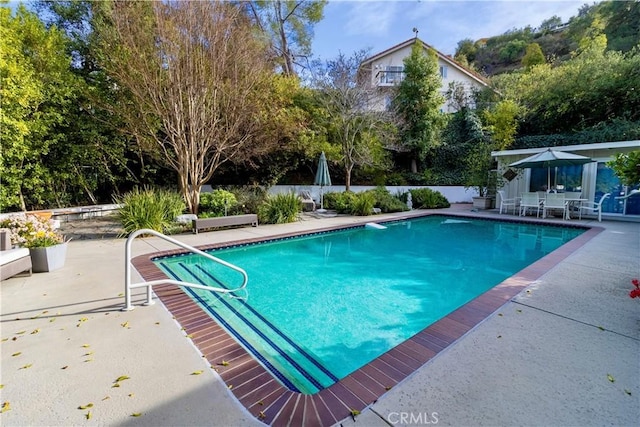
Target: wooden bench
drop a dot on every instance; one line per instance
(224, 221)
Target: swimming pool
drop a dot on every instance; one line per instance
(323, 306)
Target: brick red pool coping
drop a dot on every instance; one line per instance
(274, 404)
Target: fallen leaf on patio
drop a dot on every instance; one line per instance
(65, 367)
(224, 363)
(261, 415)
(627, 391)
(88, 360)
(519, 311)
(53, 319)
(20, 333)
(130, 395)
(88, 415)
(601, 328)
(196, 372)
(230, 386)
(120, 294)
(189, 336)
(157, 323)
(1, 386)
(115, 385)
(88, 354)
(106, 397)
(610, 378)
(261, 403)
(27, 366)
(5, 407)
(85, 345)
(121, 378)
(387, 388)
(499, 336)
(136, 414)
(87, 406)
(5, 339)
(16, 354)
(125, 324)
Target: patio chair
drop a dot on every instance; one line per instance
(554, 201)
(308, 204)
(530, 200)
(505, 203)
(595, 207)
(12, 261)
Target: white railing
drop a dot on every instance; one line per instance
(128, 285)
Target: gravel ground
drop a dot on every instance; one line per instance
(102, 227)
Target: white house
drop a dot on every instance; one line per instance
(592, 180)
(387, 69)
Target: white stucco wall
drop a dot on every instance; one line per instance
(454, 194)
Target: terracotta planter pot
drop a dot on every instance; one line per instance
(49, 258)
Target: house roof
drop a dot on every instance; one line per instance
(441, 56)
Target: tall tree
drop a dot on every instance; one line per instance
(351, 125)
(37, 90)
(196, 84)
(417, 103)
(289, 26)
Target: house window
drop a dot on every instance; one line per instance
(443, 71)
(392, 74)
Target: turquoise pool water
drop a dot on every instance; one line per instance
(322, 306)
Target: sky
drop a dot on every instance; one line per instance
(351, 25)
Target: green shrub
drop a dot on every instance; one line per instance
(280, 209)
(154, 209)
(362, 204)
(387, 202)
(340, 202)
(249, 199)
(426, 198)
(217, 203)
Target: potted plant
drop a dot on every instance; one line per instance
(480, 175)
(47, 247)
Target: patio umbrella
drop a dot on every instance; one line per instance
(551, 159)
(322, 176)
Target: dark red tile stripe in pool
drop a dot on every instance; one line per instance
(272, 403)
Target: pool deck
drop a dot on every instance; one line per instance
(565, 351)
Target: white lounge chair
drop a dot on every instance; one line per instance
(308, 204)
(505, 203)
(595, 207)
(12, 261)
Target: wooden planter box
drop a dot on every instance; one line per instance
(482, 202)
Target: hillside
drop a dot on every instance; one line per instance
(618, 20)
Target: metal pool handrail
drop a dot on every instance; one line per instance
(128, 285)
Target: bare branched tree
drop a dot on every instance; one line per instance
(197, 83)
(361, 132)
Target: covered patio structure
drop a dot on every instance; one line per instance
(592, 180)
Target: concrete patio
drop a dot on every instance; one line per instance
(564, 352)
